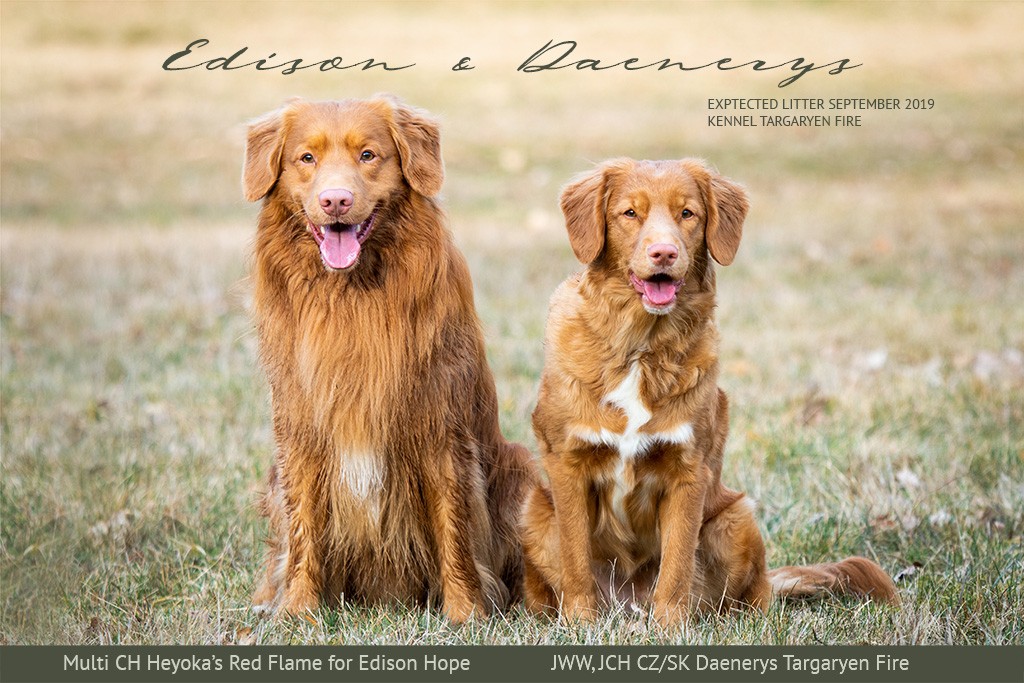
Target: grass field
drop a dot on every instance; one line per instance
(873, 330)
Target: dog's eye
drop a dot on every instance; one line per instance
(307, 158)
(629, 212)
(687, 213)
(367, 155)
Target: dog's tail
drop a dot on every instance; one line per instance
(857, 576)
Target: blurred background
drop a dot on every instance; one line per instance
(873, 337)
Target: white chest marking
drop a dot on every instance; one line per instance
(627, 397)
(630, 443)
(362, 474)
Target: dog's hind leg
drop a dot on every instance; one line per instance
(731, 559)
(272, 506)
(509, 483)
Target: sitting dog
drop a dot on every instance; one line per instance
(630, 421)
(391, 480)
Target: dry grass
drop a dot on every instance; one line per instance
(872, 326)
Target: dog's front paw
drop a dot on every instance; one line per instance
(580, 608)
(459, 611)
(264, 600)
(671, 614)
(296, 602)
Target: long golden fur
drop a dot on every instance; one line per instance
(391, 480)
(630, 421)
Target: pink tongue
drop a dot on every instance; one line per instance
(340, 248)
(660, 292)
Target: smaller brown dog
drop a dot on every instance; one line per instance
(630, 421)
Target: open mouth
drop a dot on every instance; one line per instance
(340, 242)
(658, 292)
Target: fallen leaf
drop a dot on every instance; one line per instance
(908, 479)
(989, 366)
(907, 572)
(816, 405)
(871, 361)
(909, 522)
(883, 523)
(940, 518)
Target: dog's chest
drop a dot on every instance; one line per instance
(633, 442)
(360, 479)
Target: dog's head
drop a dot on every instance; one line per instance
(651, 223)
(336, 165)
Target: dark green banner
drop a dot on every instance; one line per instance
(497, 664)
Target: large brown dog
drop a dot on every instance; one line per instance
(630, 420)
(391, 479)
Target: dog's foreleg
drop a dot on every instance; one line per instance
(679, 516)
(570, 492)
(450, 499)
(304, 562)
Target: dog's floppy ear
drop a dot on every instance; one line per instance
(263, 148)
(583, 205)
(726, 204)
(418, 139)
